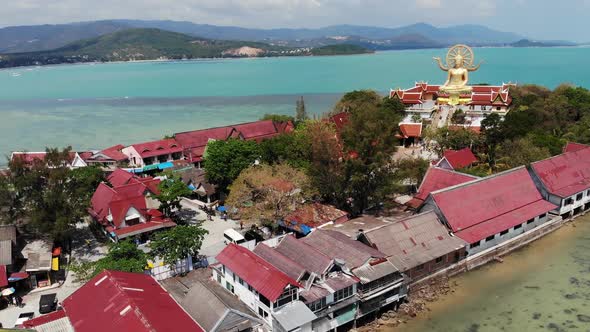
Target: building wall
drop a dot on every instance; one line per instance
(432, 266)
(135, 159)
(512, 232)
(563, 209)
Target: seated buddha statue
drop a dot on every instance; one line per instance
(458, 76)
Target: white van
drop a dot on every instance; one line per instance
(232, 236)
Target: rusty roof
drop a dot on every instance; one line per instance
(305, 255)
(280, 261)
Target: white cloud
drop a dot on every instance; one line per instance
(428, 4)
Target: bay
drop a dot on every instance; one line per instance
(90, 106)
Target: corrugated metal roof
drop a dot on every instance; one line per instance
(56, 321)
(566, 174)
(509, 195)
(313, 294)
(338, 280)
(293, 315)
(119, 302)
(369, 272)
(281, 262)
(414, 240)
(573, 147)
(305, 255)
(437, 178)
(460, 158)
(8, 232)
(258, 273)
(339, 246)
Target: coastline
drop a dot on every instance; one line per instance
(442, 296)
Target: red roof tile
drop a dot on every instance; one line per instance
(573, 147)
(566, 174)
(502, 199)
(258, 273)
(120, 301)
(438, 178)
(411, 129)
(157, 148)
(114, 152)
(460, 159)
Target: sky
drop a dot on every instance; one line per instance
(536, 19)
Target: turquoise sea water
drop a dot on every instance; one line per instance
(95, 105)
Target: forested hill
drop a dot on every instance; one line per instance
(151, 44)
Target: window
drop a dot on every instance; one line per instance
(241, 281)
(219, 279)
(568, 201)
(439, 260)
(229, 286)
(420, 267)
(262, 313)
(490, 238)
(502, 233)
(543, 216)
(343, 293)
(519, 226)
(289, 295)
(530, 221)
(264, 300)
(250, 289)
(587, 193)
(498, 108)
(317, 305)
(474, 245)
(579, 196)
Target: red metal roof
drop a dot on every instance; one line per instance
(411, 129)
(114, 152)
(42, 320)
(340, 120)
(280, 261)
(505, 199)
(144, 227)
(438, 178)
(305, 255)
(3, 276)
(566, 174)
(194, 142)
(460, 159)
(157, 148)
(573, 147)
(119, 177)
(119, 301)
(258, 273)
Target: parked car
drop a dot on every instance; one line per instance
(48, 303)
(232, 236)
(25, 316)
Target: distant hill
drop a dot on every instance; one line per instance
(46, 37)
(532, 43)
(151, 44)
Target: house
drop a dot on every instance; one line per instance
(491, 210)
(262, 287)
(108, 159)
(380, 282)
(195, 142)
(314, 215)
(210, 304)
(564, 180)
(457, 159)
(410, 133)
(196, 180)
(31, 158)
(128, 208)
(437, 178)
(118, 302)
(153, 155)
(38, 267)
(418, 245)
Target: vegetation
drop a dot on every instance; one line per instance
(177, 243)
(122, 256)
(300, 111)
(171, 191)
(225, 160)
(340, 49)
(47, 196)
(277, 117)
(264, 193)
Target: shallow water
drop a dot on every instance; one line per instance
(542, 287)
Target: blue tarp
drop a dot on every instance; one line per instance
(150, 167)
(191, 187)
(221, 208)
(165, 165)
(295, 226)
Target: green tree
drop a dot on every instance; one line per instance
(300, 112)
(458, 117)
(454, 139)
(410, 170)
(579, 132)
(122, 256)
(225, 160)
(177, 243)
(493, 136)
(291, 148)
(356, 100)
(171, 190)
(515, 153)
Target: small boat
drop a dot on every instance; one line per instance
(15, 74)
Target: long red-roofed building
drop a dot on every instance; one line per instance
(195, 142)
(127, 208)
(491, 210)
(564, 180)
(153, 153)
(118, 302)
(108, 158)
(436, 179)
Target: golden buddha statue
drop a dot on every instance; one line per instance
(459, 64)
